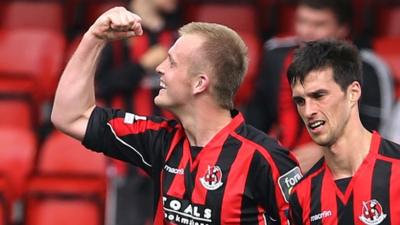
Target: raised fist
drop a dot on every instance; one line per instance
(117, 23)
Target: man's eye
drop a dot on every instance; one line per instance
(318, 95)
(299, 101)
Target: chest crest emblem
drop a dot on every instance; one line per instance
(372, 212)
(212, 179)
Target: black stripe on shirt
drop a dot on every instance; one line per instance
(381, 187)
(346, 211)
(296, 211)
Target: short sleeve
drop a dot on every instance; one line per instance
(138, 140)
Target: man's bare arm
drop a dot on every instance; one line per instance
(75, 95)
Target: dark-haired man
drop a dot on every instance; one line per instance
(356, 182)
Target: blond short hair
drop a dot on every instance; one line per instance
(225, 53)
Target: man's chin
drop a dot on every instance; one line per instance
(158, 102)
(323, 142)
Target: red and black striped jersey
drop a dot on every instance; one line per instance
(372, 195)
(240, 177)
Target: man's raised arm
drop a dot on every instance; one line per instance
(75, 96)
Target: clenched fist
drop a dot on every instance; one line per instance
(117, 23)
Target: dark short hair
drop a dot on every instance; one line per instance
(341, 56)
(342, 9)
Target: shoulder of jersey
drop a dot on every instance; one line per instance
(281, 42)
(314, 169)
(259, 138)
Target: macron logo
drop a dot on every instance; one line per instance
(319, 216)
(173, 170)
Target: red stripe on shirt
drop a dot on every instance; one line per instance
(177, 188)
(235, 183)
(395, 194)
(375, 142)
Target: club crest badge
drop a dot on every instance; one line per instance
(212, 180)
(372, 212)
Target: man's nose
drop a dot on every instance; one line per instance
(309, 108)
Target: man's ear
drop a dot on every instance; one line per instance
(354, 91)
(201, 83)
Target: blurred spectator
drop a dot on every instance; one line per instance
(126, 79)
(272, 109)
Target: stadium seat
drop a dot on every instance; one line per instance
(389, 49)
(62, 210)
(67, 171)
(388, 21)
(64, 165)
(239, 17)
(246, 89)
(30, 62)
(16, 113)
(33, 14)
(17, 156)
(62, 154)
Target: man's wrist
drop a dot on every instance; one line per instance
(89, 38)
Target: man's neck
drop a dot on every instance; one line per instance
(204, 123)
(347, 154)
